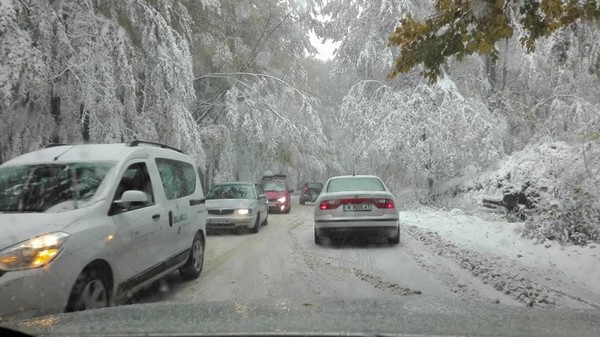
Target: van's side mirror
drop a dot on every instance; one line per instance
(132, 197)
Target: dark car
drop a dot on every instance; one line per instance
(310, 192)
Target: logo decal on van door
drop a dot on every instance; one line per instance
(179, 218)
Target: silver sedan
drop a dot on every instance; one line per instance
(236, 205)
(361, 204)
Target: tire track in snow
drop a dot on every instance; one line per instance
(315, 262)
(491, 270)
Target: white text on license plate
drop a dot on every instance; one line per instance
(357, 208)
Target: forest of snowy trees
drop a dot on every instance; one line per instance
(234, 83)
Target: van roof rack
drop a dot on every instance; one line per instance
(134, 143)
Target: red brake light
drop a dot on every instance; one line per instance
(383, 203)
(328, 204)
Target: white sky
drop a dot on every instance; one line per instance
(325, 50)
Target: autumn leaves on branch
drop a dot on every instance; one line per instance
(463, 27)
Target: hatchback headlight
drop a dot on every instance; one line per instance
(244, 211)
(282, 199)
(33, 253)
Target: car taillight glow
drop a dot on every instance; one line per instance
(383, 203)
(328, 204)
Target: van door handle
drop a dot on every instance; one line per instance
(170, 218)
(194, 202)
(156, 217)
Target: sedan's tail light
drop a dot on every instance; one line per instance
(328, 204)
(384, 203)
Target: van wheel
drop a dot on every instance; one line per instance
(266, 222)
(193, 267)
(89, 292)
(289, 209)
(302, 202)
(256, 227)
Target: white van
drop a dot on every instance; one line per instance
(85, 226)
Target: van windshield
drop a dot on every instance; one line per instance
(49, 188)
(274, 186)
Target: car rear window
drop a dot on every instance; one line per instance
(355, 184)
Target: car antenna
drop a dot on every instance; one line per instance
(58, 156)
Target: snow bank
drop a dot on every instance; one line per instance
(494, 251)
(554, 185)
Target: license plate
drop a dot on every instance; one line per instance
(220, 221)
(357, 208)
(272, 204)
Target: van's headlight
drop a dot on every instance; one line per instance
(282, 199)
(243, 211)
(33, 253)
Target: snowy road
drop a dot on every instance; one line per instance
(282, 262)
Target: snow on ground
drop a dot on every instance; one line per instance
(559, 184)
(443, 254)
(494, 251)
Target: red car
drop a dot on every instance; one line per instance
(278, 194)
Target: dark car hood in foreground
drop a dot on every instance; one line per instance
(410, 315)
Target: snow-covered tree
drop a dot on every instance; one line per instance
(421, 136)
(274, 126)
(363, 28)
(248, 61)
(73, 71)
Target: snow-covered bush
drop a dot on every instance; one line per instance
(572, 213)
(554, 186)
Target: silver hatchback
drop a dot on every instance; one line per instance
(356, 204)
